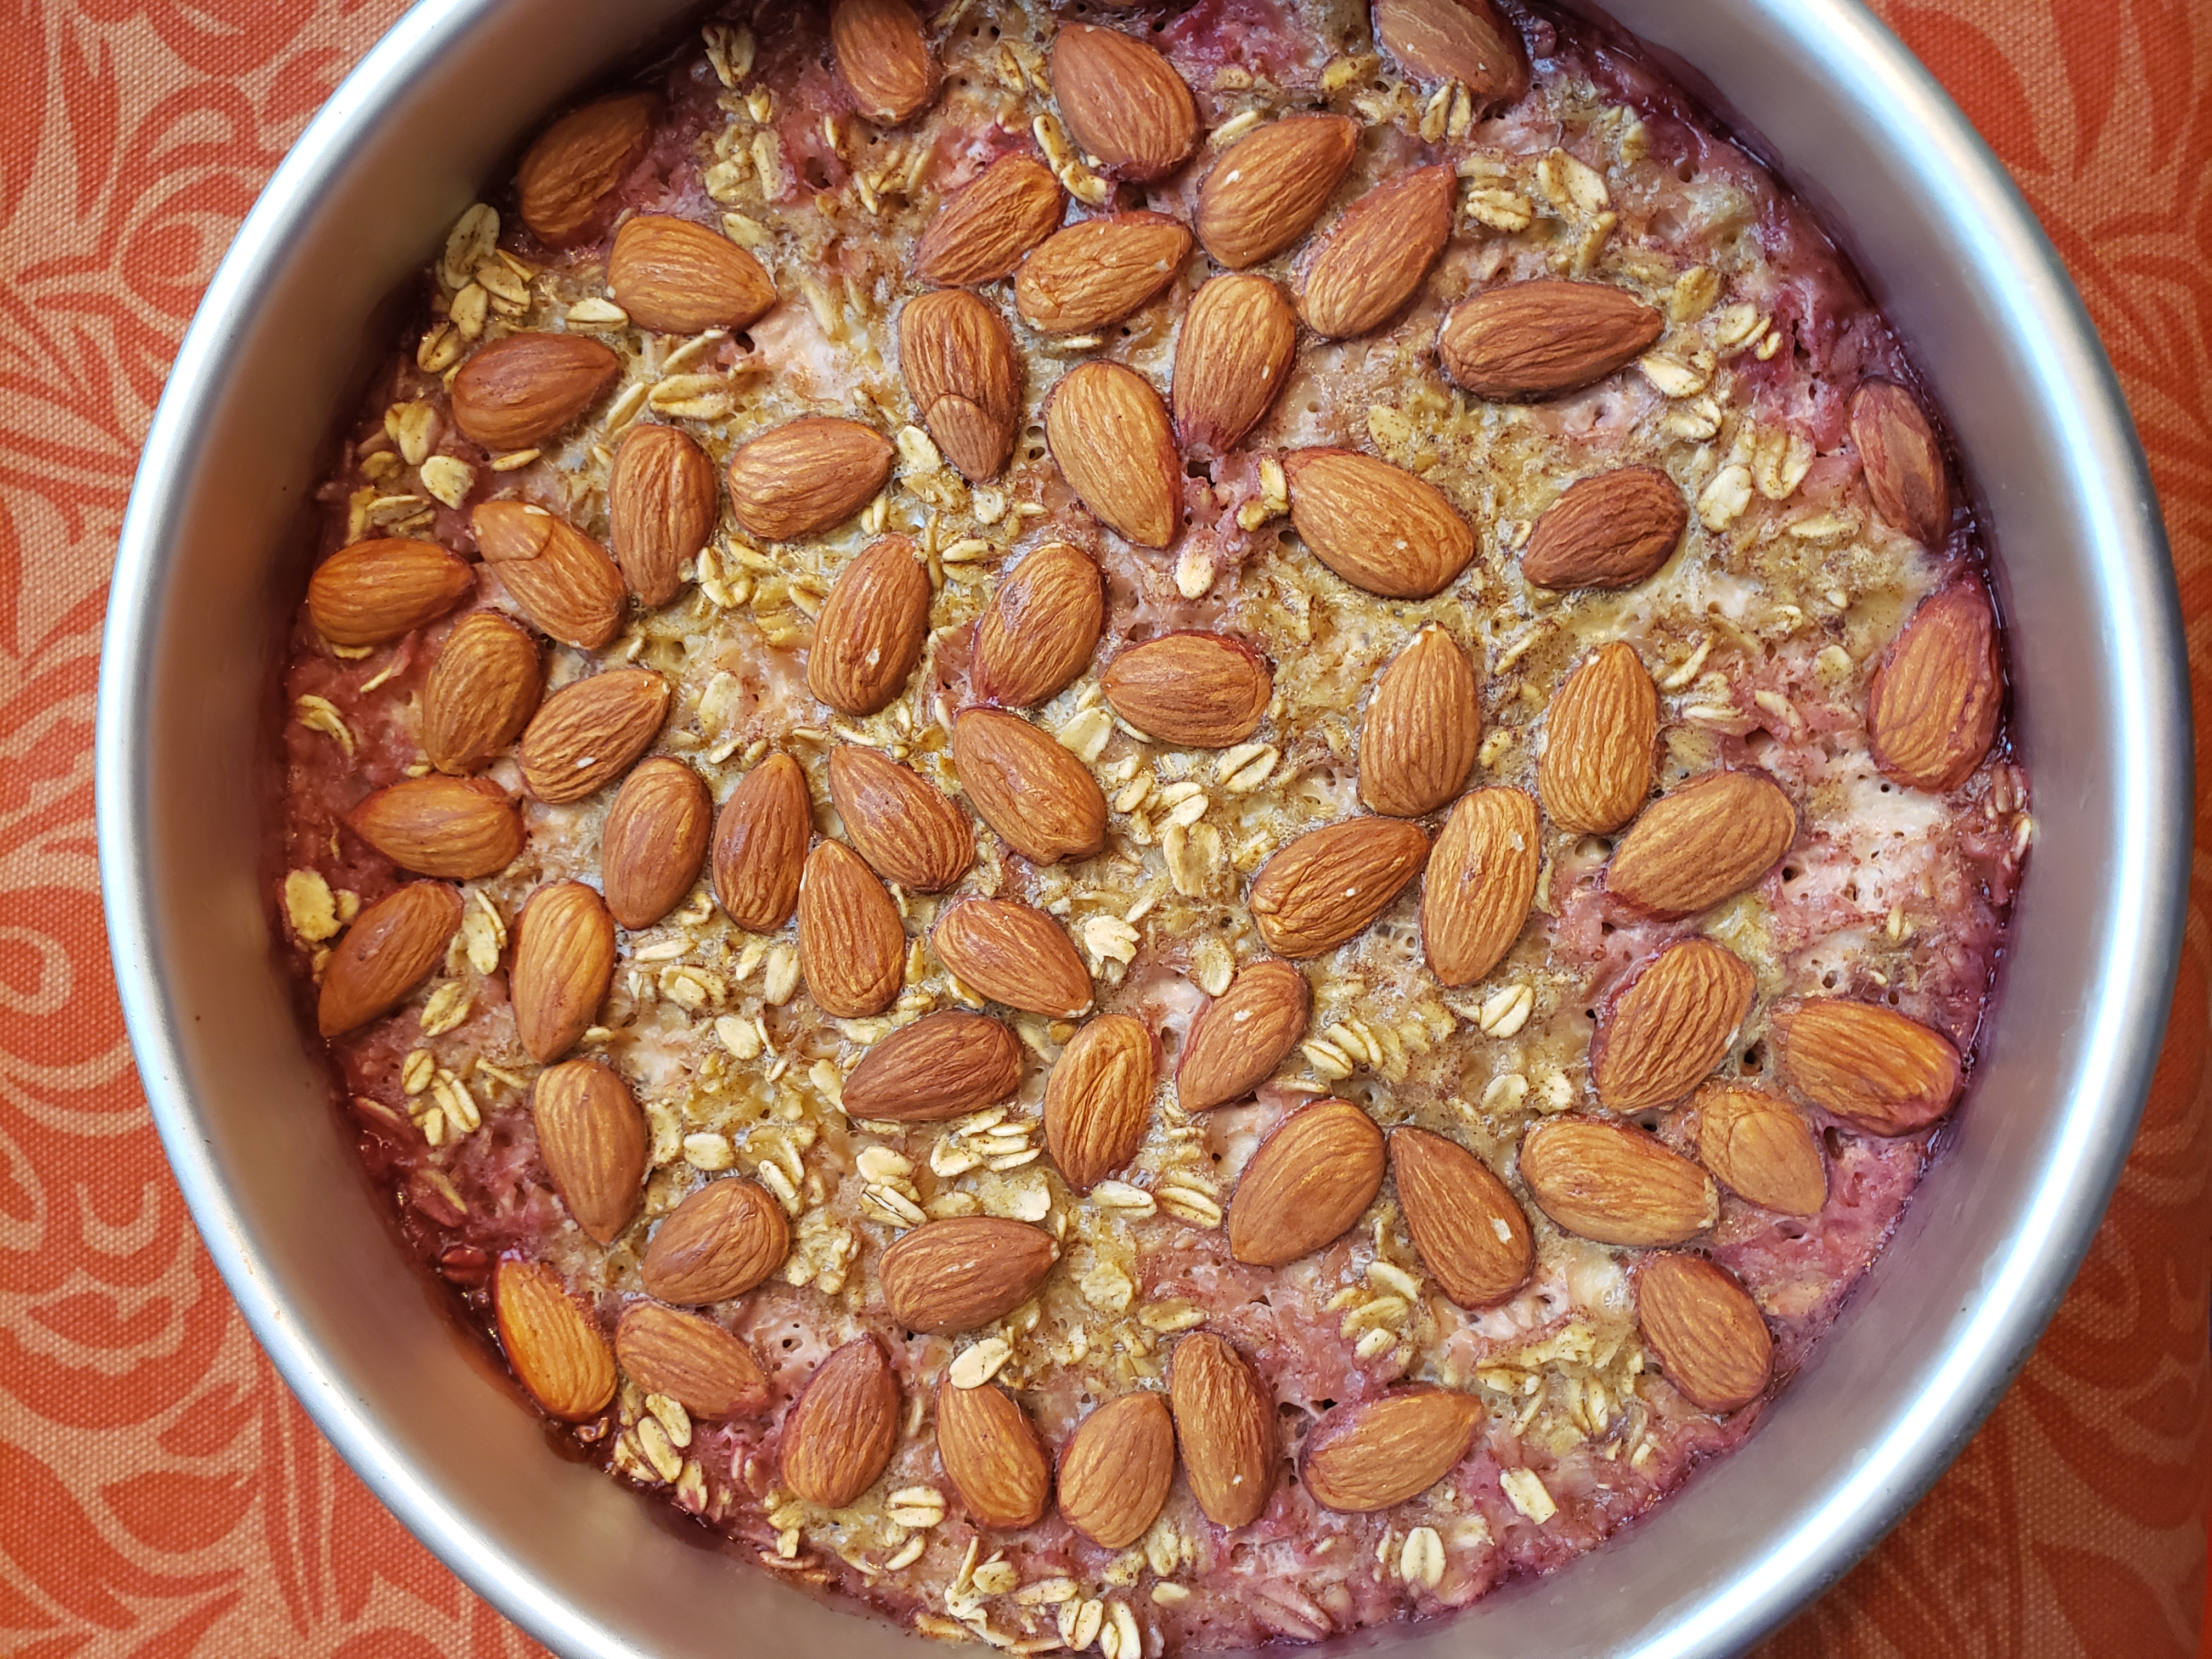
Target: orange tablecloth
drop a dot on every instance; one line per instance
(162, 1495)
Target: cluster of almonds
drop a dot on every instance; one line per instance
(1932, 715)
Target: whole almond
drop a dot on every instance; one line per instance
(1595, 773)
(719, 1243)
(390, 950)
(1762, 1148)
(1532, 340)
(944, 1066)
(516, 391)
(1461, 41)
(589, 732)
(557, 1353)
(1616, 1184)
(1470, 1232)
(962, 1271)
(1715, 836)
(1368, 1455)
(1224, 1421)
(594, 1142)
(1097, 271)
(1325, 886)
(662, 505)
(564, 961)
(683, 278)
(374, 592)
(871, 629)
(655, 841)
(1240, 1037)
(567, 175)
(1123, 102)
(905, 828)
(1711, 1341)
(883, 57)
(760, 844)
(1042, 801)
(1232, 360)
(1373, 258)
(1903, 462)
(1109, 436)
(992, 1456)
(480, 693)
(1266, 189)
(957, 357)
(1195, 689)
(1932, 709)
(1312, 1179)
(564, 581)
(1115, 1470)
(691, 1359)
(840, 1431)
(456, 828)
(1611, 530)
(806, 474)
(1014, 954)
(1669, 1024)
(1870, 1066)
(1098, 1100)
(851, 944)
(1041, 625)
(1376, 525)
(1423, 727)
(1480, 881)
(986, 226)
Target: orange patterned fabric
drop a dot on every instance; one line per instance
(160, 1494)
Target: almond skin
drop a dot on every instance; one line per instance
(1232, 360)
(514, 392)
(1195, 689)
(1595, 773)
(1224, 1421)
(719, 1243)
(1762, 1148)
(1041, 627)
(851, 944)
(1710, 1338)
(1376, 525)
(986, 226)
(1098, 1100)
(1013, 954)
(1874, 1068)
(1715, 836)
(480, 693)
(1461, 41)
(1373, 258)
(992, 1457)
(590, 731)
(564, 961)
(871, 629)
(1367, 1456)
(594, 1141)
(682, 278)
(1423, 728)
(943, 1066)
(1528, 341)
(374, 592)
(562, 580)
(567, 175)
(1097, 271)
(1115, 1470)
(1616, 1184)
(1325, 886)
(1479, 883)
(1266, 189)
(1042, 801)
(1932, 709)
(1470, 1232)
(1310, 1179)
(1609, 530)
(1109, 436)
(691, 1359)
(455, 827)
(653, 841)
(662, 505)
(841, 1430)
(806, 476)
(1123, 102)
(1904, 463)
(760, 844)
(1239, 1038)
(957, 357)
(905, 828)
(557, 1353)
(883, 57)
(389, 951)
(966, 1271)
(1669, 1024)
